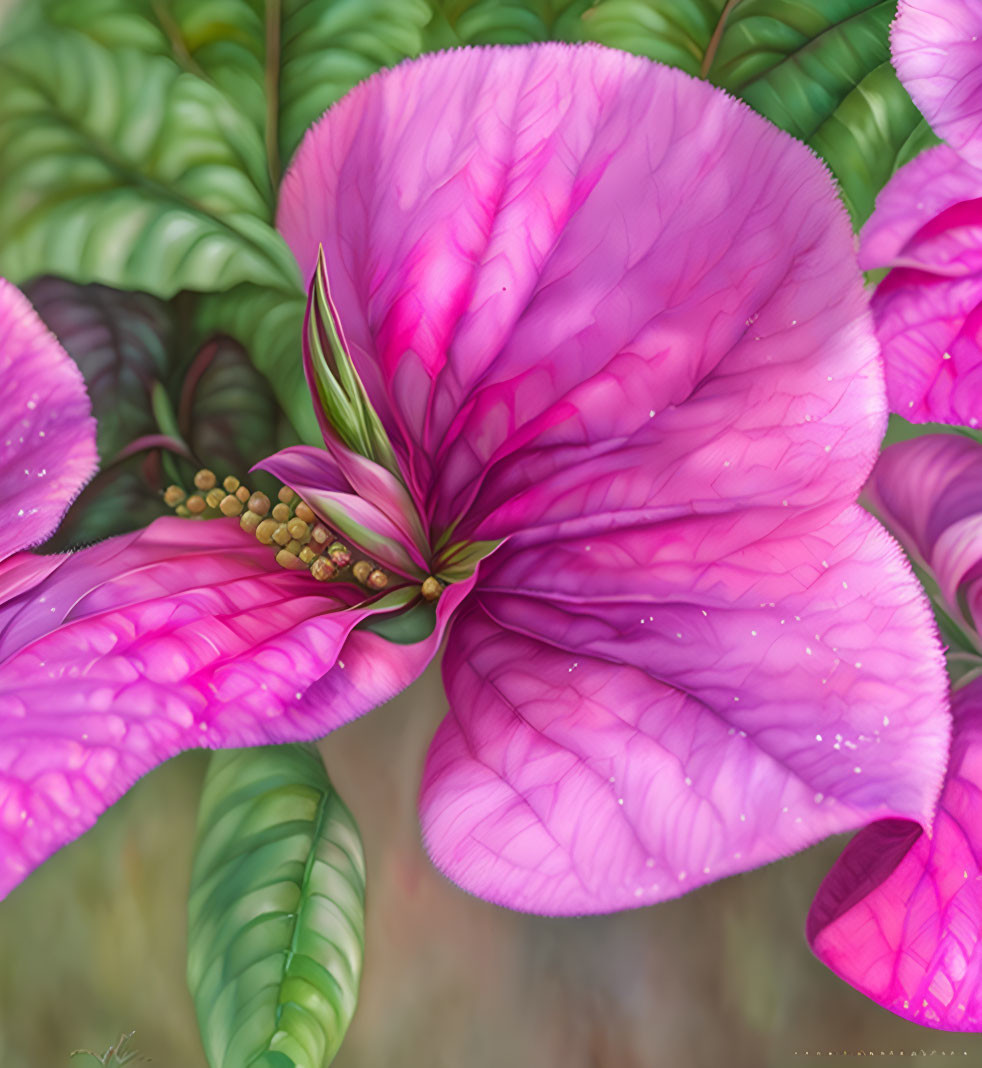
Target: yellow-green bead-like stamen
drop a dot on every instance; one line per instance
(291, 524)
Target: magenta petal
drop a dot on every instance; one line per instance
(317, 478)
(637, 713)
(930, 330)
(920, 488)
(900, 914)
(937, 50)
(592, 255)
(371, 669)
(913, 207)
(928, 492)
(47, 434)
(183, 635)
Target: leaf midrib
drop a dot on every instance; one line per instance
(132, 177)
(789, 56)
(318, 826)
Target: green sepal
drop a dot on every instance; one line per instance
(339, 386)
(406, 628)
(460, 560)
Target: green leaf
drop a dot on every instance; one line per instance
(226, 415)
(276, 912)
(282, 62)
(121, 343)
(875, 130)
(817, 68)
(269, 324)
(486, 22)
(122, 497)
(117, 167)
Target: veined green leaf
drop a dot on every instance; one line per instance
(269, 324)
(121, 343)
(282, 62)
(116, 167)
(817, 68)
(276, 912)
(226, 415)
(485, 22)
(874, 131)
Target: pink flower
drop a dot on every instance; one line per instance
(623, 394)
(47, 434)
(900, 914)
(927, 225)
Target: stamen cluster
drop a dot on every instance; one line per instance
(291, 524)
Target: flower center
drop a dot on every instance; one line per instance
(300, 539)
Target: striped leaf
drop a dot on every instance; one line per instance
(276, 912)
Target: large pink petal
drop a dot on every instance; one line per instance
(900, 915)
(47, 434)
(930, 329)
(637, 713)
(929, 215)
(183, 635)
(937, 50)
(549, 258)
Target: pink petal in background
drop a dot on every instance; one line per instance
(930, 328)
(937, 50)
(47, 434)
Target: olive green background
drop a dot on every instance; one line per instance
(93, 945)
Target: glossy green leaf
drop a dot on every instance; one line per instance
(817, 68)
(327, 47)
(282, 62)
(269, 324)
(226, 414)
(117, 167)
(121, 342)
(486, 22)
(122, 497)
(276, 912)
(875, 130)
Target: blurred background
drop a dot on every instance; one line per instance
(93, 945)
